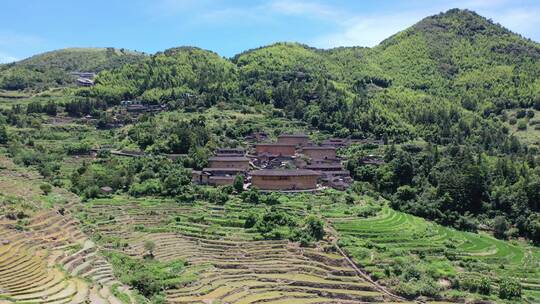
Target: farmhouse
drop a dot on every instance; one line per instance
(276, 149)
(325, 167)
(85, 82)
(284, 179)
(319, 152)
(221, 180)
(293, 139)
(225, 152)
(335, 142)
(106, 190)
(257, 136)
(238, 162)
(216, 176)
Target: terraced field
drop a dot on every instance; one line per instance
(390, 233)
(232, 264)
(44, 257)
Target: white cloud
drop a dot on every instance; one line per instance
(304, 8)
(5, 58)
(366, 31)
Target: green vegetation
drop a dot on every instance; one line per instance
(149, 277)
(454, 99)
(415, 255)
(50, 70)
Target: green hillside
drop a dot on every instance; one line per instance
(52, 69)
(171, 74)
(463, 56)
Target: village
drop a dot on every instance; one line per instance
(291, 164)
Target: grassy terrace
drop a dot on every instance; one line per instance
(230, 264)
(378, 241)
(44, 257)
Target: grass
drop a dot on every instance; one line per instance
(377, 241)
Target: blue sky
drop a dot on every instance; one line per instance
(29, 27)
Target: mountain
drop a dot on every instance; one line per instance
(463, 55)
(167, 75)
(439, 80)
(52, 69)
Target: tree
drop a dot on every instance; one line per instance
(315, 227)
(149, 246)
(509, 288)
(46, 188)
(3, 135)
(238, 183)
(500, 226)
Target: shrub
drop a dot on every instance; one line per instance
(522, 125)
(46, 188)
(500, 226)
(509, 288)
(251, 220)
(238, 184)
(484, 286)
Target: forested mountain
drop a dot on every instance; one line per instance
(170, 75)
(462, 55)
(52, 69)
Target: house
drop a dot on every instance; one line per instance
(215, 176)
(106, 190)
(257, 136)
(85, 82)
(225, 152)
(284, 179)
(336, 142)
(239, 162)
(277, 149)
(328, 171)
(319, 152)
(293, 139)
(325, 167)
(221, 180)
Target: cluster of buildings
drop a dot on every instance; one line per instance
(293, 163)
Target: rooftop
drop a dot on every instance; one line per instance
(294, 135)
(228, 158)
(276, 144)
(324, 166)
(319, 148)
(284, 172)
(223, 170)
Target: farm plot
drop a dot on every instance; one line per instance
(44, 256)
(378, 240)
(233, 264)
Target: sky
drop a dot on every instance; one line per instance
(228, 27)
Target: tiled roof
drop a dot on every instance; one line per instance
(228, 158)
(284, 172)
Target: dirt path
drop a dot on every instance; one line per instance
(334, 239)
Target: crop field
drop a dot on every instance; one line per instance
(44, 256)
(376, 241)
(231, 264)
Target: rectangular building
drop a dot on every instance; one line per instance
(284, 179)
(320, 152)
(277, 149)
(238, 162)
(293, 139)
(230, 152)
